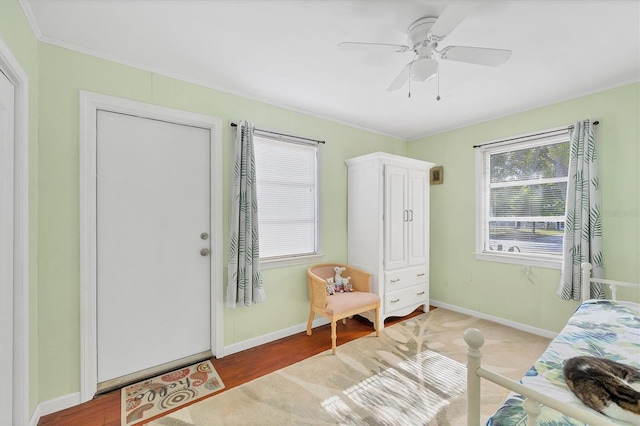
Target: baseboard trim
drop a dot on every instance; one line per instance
(53, 405)
(63, 402)
(35, 417)
(270, 337)
(508, 323)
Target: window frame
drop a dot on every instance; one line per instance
(290, 260)
(547, 137)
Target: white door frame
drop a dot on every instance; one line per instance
(90, 103)
(19, 361)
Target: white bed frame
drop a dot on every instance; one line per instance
(533, 399)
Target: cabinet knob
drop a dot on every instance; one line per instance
(421, 275)
(421, 293)
(395, 281)
(395, 301)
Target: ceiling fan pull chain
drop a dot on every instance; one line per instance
(438, 76)
(410, 79)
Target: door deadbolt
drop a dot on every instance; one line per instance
(204, 236)
(204, 252)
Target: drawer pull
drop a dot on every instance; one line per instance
(421, 275)
(395, 301)
(420, 294)
(395, 281)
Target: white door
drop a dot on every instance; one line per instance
(153, 221)
(6, 248)
(418, 203)
(396, 216)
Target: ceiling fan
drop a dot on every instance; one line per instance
(424, 36)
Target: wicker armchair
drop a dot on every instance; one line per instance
(340, 305)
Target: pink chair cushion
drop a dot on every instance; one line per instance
(343, 302)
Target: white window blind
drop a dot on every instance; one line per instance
(286, 178)
(522, 196)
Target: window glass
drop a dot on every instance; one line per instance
(286, 174)
(522, 197)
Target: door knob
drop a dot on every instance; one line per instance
(204, 252)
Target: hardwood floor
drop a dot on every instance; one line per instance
(234, 370)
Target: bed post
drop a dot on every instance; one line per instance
(532, 408)
(474, 341)
(586, 281)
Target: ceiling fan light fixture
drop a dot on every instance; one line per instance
(424, 69)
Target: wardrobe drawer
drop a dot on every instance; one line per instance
(403, 278)
(415, 295)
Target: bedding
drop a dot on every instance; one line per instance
(601, 328)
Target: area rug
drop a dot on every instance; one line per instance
(391, 379)
(411, 374)
(144, 400)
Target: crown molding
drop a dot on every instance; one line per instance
(33, 23)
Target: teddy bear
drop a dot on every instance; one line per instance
(346, 284)
(330, 286)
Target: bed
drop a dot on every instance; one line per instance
(602, 328)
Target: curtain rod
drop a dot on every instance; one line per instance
(595, 123)
(283, 134)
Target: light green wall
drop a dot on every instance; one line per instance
(17, 35)
(55, 77)
(63, 74)
(499, 289)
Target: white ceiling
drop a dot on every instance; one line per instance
(284, 52)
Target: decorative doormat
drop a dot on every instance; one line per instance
(156, 396)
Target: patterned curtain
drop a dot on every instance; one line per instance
(244, 285)
(583, 227)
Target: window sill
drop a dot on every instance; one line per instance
(290, 261)
(541, 262)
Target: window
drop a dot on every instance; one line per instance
(286, 178)
(521, 197)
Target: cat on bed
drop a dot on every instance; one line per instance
(608, 387)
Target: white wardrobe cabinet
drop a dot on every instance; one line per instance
(388, 229)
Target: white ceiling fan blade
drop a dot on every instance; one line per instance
(400, 79)
(476, 55)
(452, 15)
(359, 46)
